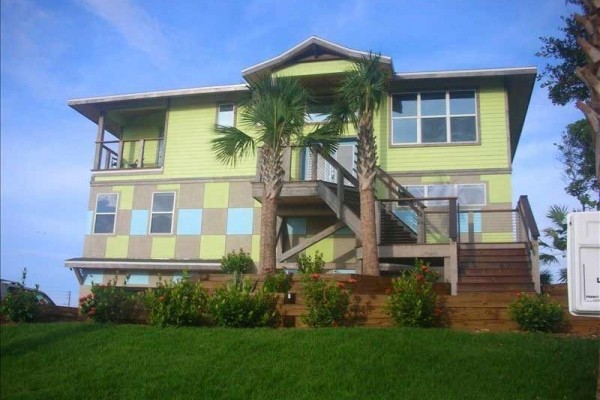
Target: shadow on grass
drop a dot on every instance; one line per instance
(36, 340)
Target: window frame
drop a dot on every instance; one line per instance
(448, 116)
(172, 213)
(115, 213)
(456, 187)
(219, 105)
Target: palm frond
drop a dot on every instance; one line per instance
(232, 144)
(545, 277)
(562, 275)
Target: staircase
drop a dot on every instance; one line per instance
(494, 268)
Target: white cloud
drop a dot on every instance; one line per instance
(140, 30)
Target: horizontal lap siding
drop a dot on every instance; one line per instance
(491, 152)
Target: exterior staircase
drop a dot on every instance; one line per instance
(494, 268)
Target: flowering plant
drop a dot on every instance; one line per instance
(108, 303)
(327, 302)
(412, 300)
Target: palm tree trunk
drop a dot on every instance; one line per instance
(268, 234)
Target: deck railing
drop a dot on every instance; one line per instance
(129, 154)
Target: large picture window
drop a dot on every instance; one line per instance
(106, 213)
(434, 117)
(466, 194)
(163, 205)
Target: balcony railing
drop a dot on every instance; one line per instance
(129, 154)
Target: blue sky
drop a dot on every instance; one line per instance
(56, 50)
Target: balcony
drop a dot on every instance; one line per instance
(129, 154)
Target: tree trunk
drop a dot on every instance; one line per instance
(369, 232)
(268, 235)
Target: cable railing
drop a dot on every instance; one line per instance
(129, 154)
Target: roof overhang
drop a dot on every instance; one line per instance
(313, 45)
(519, 83)
(127, 264)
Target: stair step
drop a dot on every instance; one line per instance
(496, 265)
(494, 272)
(493, 252)
(495, 287)
(494, 279)
(478, 258)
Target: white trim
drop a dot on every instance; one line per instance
(448, 116)
(105, 213)
(137, 171)
(172, 212)
(147, 265)
(159, 94)
(468, 73)
(300, 46)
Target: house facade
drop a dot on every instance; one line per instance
(160, 202)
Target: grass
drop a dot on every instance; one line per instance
(88, 361)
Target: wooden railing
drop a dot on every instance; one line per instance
(129, 154)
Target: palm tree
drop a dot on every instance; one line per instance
(274, 116)
(557, 234)
(358, 98)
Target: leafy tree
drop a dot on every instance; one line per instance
(578, 52)
(358, 98)
(274, 118)
(555, 248)
(577, 157)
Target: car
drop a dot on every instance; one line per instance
(7, 287)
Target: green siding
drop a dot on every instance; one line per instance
(491, 152)
(315, 68)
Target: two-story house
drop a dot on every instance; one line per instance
(160, 202)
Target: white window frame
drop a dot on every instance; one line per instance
(152, 212)
(219, 105)
(447, 115)
(105, 213)
(455, 188)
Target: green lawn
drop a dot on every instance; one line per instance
(80, 360)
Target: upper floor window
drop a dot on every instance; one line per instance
(163, 205)
(106, 213)
(226, 115)
(434, 117)
(318, 113)
(466, 194)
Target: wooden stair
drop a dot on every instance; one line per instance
(494, 269)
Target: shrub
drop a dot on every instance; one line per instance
(234, 262)
(279, 282)
(108, 303)
(238, 305)
(412, 300)
(327, 302)
(21, 305)
(306, 264)
(182, 303)
(536, 313)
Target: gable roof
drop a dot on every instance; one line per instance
(314, 46)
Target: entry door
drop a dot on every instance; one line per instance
(345, 155)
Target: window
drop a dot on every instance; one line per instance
(106, 213)
(226, 115)
(434, 117)
(318, 113)
(468, 195)
(162, 212)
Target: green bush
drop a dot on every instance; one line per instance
(237, 263)
(308, 265)
(182, 303)
(21, 305)
(278, 282)
(327, 302)
(536, 313)
(412, 300)
(109, 303)
(239, 305)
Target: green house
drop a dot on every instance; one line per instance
(161, 203)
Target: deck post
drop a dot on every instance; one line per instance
(471, 225)
(287, 163)
(99, 142)
(451, 268)
(534, 256)
(340, 193)
(313, 164)
(452, 219)
(421, 235)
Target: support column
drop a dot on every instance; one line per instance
(99, 140)
(451, 268)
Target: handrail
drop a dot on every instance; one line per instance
(399, 190)
(525, 210)
(347, 175)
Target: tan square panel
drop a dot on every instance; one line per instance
(240, 194)
(123, 222)
(344, 250)
(236, 242)
(256, 221)
(95, 246)
(94, 191)
(317, 224)
(142, 196)
(187, 247)
(214, 221)
(191, 195)
(139, 247)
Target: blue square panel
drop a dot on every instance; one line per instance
(138, 278)
(90, 222)
(189, 222)
(296, 225)
(92, 277)
(239, 221)
(464, 222)
(139, 222)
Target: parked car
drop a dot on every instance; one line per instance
(7, 287)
